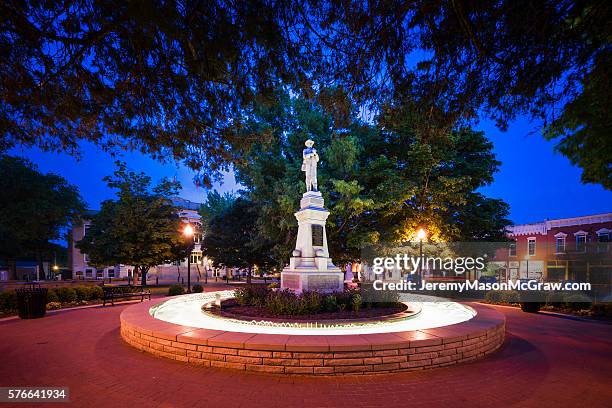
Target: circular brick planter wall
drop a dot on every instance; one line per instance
(315, 355)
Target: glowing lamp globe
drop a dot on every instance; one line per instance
(188, 231)
(421, 234)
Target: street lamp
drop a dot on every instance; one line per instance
(188, 233)
(421, 235)
(206, 265)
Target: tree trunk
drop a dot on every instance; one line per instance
(249, 275)
(143, 274)
(12, 266)
(41, 268)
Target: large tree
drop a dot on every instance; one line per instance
(380, 183)
(232, 238)
(140, 228)
(35, 209)
(174, 78)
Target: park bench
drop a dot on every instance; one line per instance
(112, 293)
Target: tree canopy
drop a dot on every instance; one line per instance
(179, 79)
(140, 228)
(231, 239)
(380, 182)
(35, 209)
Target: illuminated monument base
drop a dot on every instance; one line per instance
(310, 267)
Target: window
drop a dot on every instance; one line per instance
(531, 246)
(512, 249)
(85, 258)
(560, 245)
(581, 243)
(88, 273)
(603, 237)
(110, 273)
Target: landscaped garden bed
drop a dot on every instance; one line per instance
(259, 301)
(232, 309)
(558, 302)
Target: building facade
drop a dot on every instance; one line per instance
(568, 249)
(574, 249)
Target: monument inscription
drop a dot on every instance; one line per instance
(322, 282)
(291, 281)
(317, 235)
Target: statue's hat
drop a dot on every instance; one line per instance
(309, 142)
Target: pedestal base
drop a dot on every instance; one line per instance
(303, 279)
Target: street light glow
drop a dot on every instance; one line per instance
(188, 230)
(421, 234)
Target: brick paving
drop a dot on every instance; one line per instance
(545, 361)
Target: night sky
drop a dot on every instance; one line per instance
(538, 183)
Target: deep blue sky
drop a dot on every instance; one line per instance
(536, 182)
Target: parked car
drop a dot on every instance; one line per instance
(487, 279)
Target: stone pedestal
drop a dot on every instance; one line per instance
(310, 267)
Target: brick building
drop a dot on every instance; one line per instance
(576, 249)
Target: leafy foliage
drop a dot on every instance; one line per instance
(230, 236)
(380, 183)
(141, 228)
(175, 290)
(174, 79)
(287, 303)
(35, 209)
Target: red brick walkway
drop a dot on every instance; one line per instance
(546, 361)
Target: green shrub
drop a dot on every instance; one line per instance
(66, 295)
(82, 292)
(197, 288)
(502, 296)
(330, 303)
(252, 295)
(8, 301)
(602, 309)
(243, 296)
(356, 302)
(343, 299)
(52, 296)
(175, 290)
(54, 305)
(310, 302)
(283, 302)
(378, 298)
(577, 302)
(531, 307)
(555, 299)
(96, 292)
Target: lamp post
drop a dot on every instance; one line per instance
(421, 235)
(188, 232)
(206, 265)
